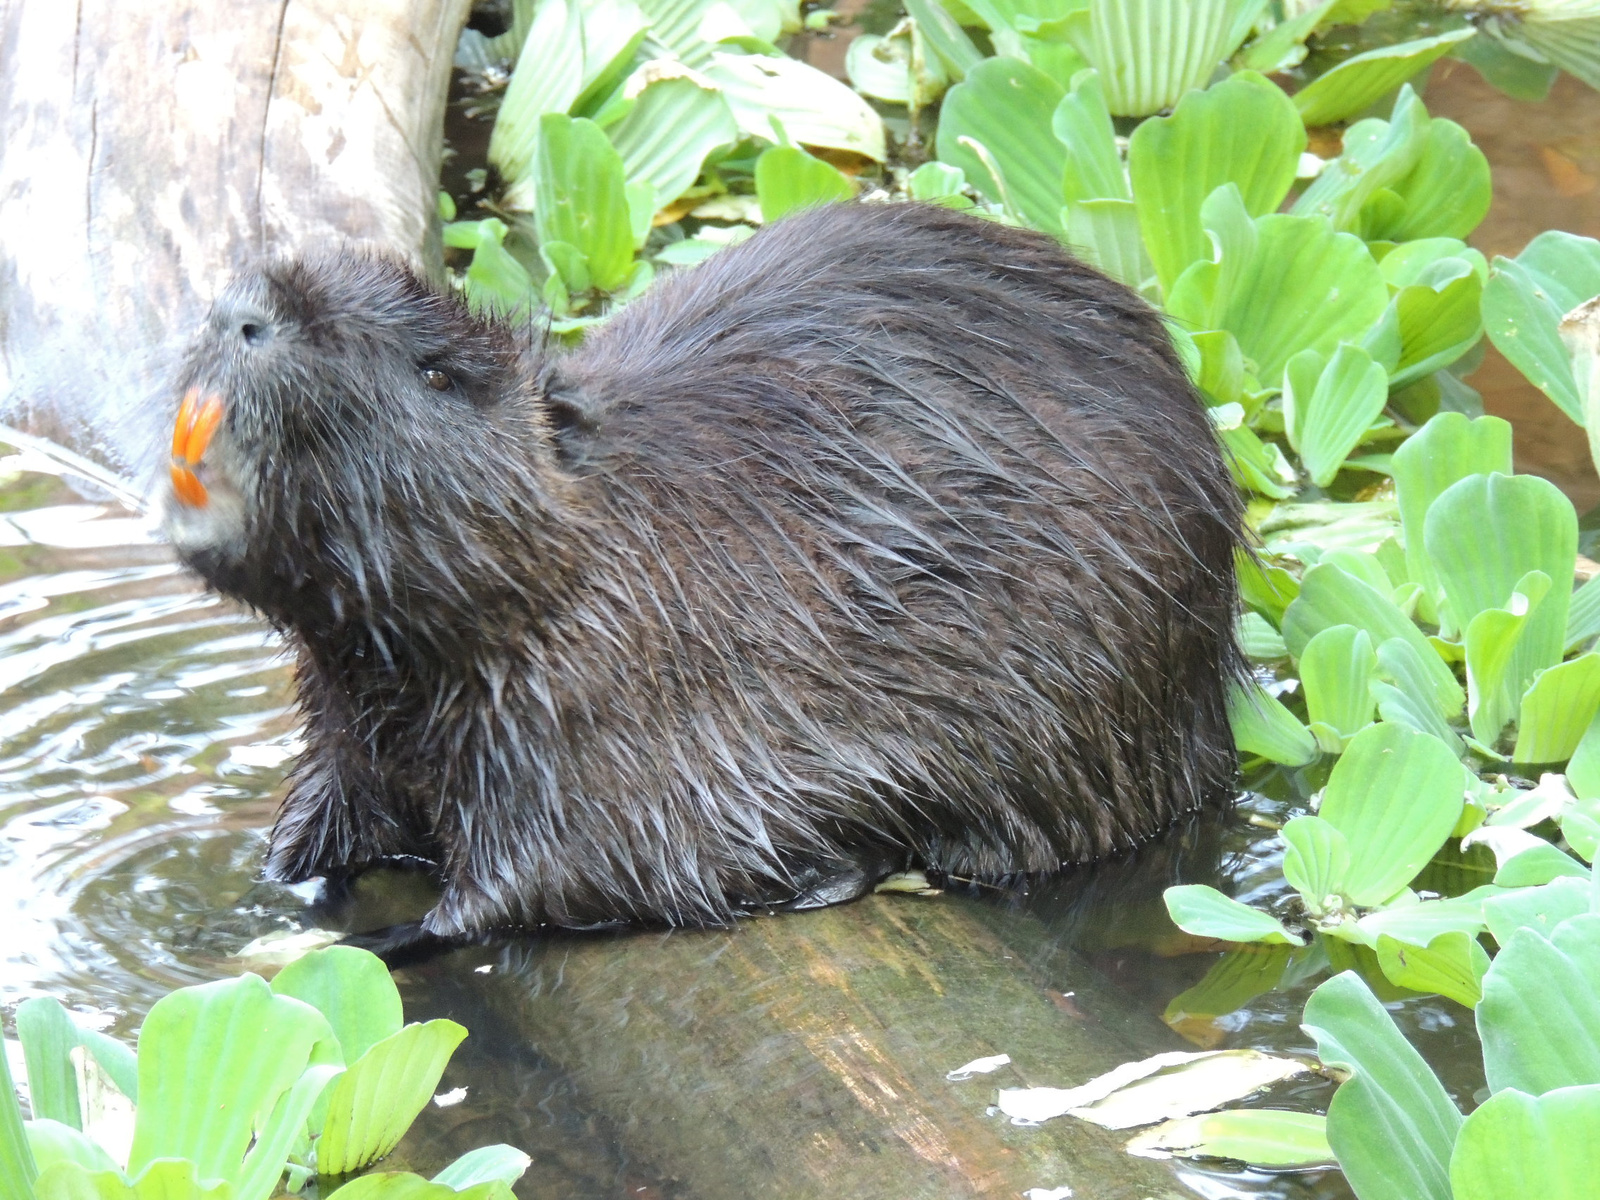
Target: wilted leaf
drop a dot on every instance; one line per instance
(1266, 1137)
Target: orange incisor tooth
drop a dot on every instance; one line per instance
(192, 432)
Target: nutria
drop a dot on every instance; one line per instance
(892, 536)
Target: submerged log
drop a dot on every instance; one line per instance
(148, 150)
(805, 1056)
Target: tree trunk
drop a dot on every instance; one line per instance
(148, 150)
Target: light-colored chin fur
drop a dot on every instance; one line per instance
(219, 526)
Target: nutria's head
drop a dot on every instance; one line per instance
(349, 443)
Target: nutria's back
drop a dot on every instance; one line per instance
(893, 535)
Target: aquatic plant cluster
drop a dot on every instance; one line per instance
(1411, 612)
(235, 1085)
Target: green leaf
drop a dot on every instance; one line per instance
(1538, 909)
(1266, 1137)
(1452, 965)
(1259, 639)
(896, 68)
(1423, 923)
(1316, 861)
(582, 198)
(1360, 82)
(1446, 449)
(484, 1165)
(813, 107)
(225, 1067)
(1539, 1019)
(677, 119)
(1206, 912)
(1265, 588)
(1243, 131)
(165, 1179)
(1395, 795)
(372, 1104)
(1517, 1146)
(1517, 75)
(1523, 304)
(352, 988)
(1410, 668)
(1105, 234)
(1262, 725)
(1446, 194)
(1493, 638)
(1305, 288)
(1430, 326)
(48, 1035)
(53, 1141)
(1083, 125)
(1583, 614)
(1391, 1124)
(1567, 35)
(1557, 710)
(1283, 45)
(1331, 596)
(17, 1167)
(581, 45)
(945, 37)
(1006, 106)
(1328, 408)
(1377, 154)
(396, 1185)
(1336, 670)
(1484, 535)
(936, 183)
(1151, 52)
(788, 180)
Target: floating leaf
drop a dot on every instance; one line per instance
(677, 119)
(896, 68)
(1316, 861)
(1424, 923)
(1429, 325)
(1391, 1123)
(1452, 965)
(1266, 1137)
(1236, 978)
(48, 1036)
(1151, 52)
(1517, 1146)
(1523, 1046)
(582, 203)
(1538, 909)
(1445, 194)
(165, 1179)
(1484, 535)
(1083, 125)
(1242, 131)
(1259, 639)
(1262, 725)
(1105, 233)
(352, 989)
(1523, 304)
(484, 1165)
(399, 1185)
(1336, 669)
(945, 37)
(17, 1167)
(1331, 596)
(53, 1142)
(813, 107)
(1329, 405)
(938, 183)
(1446, 449)
(1206, 912)
(1377, 155)
(788, 180)
(1361, 81)
(373, 1103)
(209, 1095)
(1395, 795)
(1006, 106)
(1556, 711)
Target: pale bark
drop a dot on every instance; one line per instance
(147, 150)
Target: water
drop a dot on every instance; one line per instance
(144, 731)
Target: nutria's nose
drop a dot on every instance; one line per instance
(239, 317)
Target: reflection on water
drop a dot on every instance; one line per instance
(143, 731)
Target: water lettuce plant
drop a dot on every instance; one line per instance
(236, 1084)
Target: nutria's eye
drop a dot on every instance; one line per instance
(436, 379)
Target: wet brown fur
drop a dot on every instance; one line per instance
(891, 536)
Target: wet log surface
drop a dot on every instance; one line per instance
(805, 1056)
(148, 150)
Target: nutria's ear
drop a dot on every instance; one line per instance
(572, 417)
